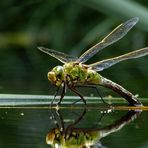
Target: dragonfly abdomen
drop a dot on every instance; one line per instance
(93, 77)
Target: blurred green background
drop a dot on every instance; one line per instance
(71, 27)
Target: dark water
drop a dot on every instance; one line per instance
(39, 126)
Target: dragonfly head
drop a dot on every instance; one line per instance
(56, 75)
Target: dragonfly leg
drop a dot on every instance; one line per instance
(58, 118)
(100, 95)
(76, 121)
(63, 93)
(132, 99)
(55, 96)
(76, 92)
(97, 90)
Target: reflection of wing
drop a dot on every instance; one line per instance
(99, 66)
(64, 58)
(114, 36)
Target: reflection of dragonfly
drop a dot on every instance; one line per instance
(74, 72)
(74, 136)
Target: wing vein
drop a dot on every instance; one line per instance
(118, 33)
(101, 65)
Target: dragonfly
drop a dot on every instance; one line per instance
(74, 72)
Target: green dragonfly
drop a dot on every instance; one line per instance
(74, 73)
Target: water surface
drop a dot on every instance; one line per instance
(28, 122)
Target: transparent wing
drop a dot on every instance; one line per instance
(64, 58)
(99, 66)
(114, 36)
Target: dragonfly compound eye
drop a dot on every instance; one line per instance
(56, 76)
(51, 76)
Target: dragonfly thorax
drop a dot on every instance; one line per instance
(78, 73)
(73, 73)
(72, 138)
